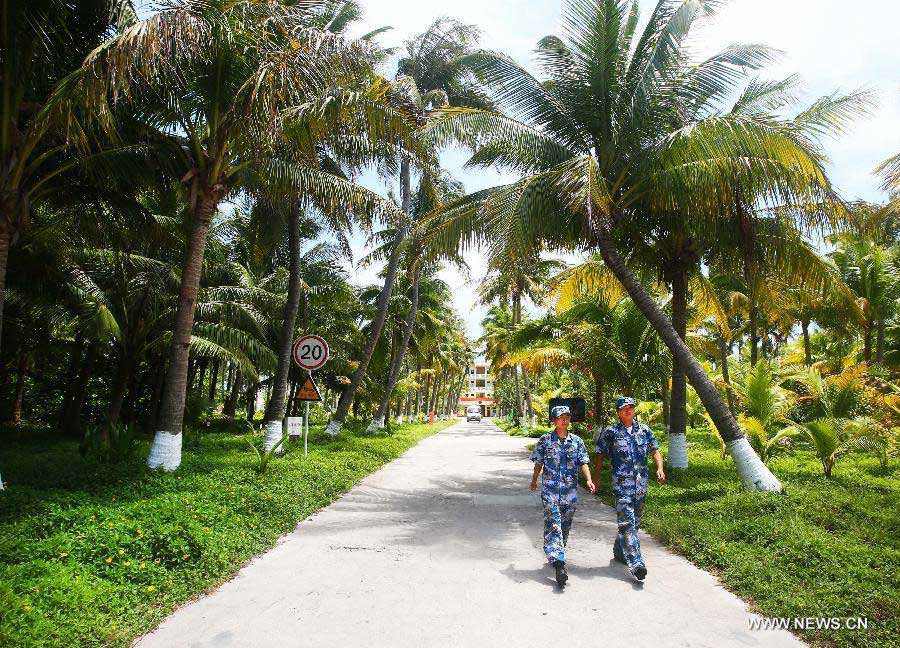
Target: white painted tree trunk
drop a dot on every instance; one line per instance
(274, 432)
(752, 471)
(375, 425)
(400, 419)
(165, 452)
(333, 427)
(1, 483)
(678, 457)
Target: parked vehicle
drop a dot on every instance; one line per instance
(473, 413)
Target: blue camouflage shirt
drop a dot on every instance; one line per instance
(628, 452)
(561, 459)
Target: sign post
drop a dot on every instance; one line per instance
(310, 352)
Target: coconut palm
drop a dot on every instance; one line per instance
(834, 420)
(429, 75)
(764, 408)
(238, 106)
(603, 149)
(872, 271)
(518, 273)
(418, 258)
(41, 42)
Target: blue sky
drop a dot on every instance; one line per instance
(832, 44)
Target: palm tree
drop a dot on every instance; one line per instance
(516, 274)
(430, 75)
(607, 339)
(41, 42)
(236, 106)
(418, 258)
(765, 406)
(499, 326)
(833, 420)
(872, 271)
(604, 149)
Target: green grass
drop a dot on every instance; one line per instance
(94, 554)
(827, 548)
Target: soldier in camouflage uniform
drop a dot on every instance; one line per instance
(627, 444)
(559, 456)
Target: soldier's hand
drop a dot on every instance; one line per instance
(591, 487)
(533, 484)
(660, 475)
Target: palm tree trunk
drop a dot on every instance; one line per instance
(664, 391)
(159, 380)
(723, 359)
(754, 333)
(807, 348)
(752, 471)
(6, 233)
(879, 342)
(213, 380)
(120, 385)
(867, 341)
(231, 402)
(195, 366)
(678, 457)
(19, 394)
(515, 371)
(252, 390)
(598, 401)
(529, 411)
(381, 305)
(397, 364)
(166, 448)
(76, 362)
(275, 408)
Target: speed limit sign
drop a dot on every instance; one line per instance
(310, 352)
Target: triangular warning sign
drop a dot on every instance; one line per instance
(309, 391)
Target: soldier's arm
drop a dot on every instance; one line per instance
(586, 471)
(538, 467)
(598, 466)
(660, 473)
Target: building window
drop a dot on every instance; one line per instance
(479, 383)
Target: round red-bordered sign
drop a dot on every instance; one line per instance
(311, 352)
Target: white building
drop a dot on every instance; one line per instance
(478, 389)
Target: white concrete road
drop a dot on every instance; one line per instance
(442, 547)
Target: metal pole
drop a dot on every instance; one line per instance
(306, 430)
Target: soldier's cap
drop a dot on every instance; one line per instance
(622, 401)
(559, 410)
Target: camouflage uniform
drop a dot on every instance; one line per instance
(561, 459)
(628, 452)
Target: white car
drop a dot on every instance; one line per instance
(473, 413)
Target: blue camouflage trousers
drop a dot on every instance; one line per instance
(629, 509)
(557, 523)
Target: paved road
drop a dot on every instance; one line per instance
(442, 547)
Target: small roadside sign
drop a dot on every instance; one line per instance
(308, 391)
(311, 352)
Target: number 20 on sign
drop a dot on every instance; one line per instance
(311, 352)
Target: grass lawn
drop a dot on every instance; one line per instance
(825, 548)
(98, 554)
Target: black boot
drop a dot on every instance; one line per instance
(561, 574)
(618, 555)
(639, 571)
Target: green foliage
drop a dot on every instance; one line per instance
(94, 555)
(120, 445)
(263, 457)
